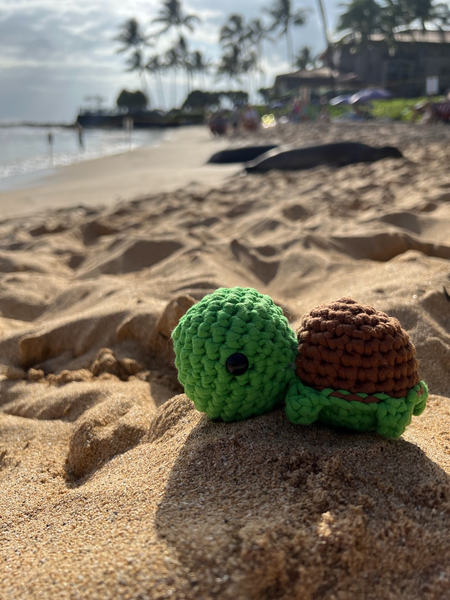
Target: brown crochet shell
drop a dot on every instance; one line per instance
(347, 346)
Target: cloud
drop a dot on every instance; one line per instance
(64, 50)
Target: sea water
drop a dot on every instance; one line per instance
(26, 152)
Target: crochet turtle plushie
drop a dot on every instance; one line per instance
(235, 354)
(356, 368)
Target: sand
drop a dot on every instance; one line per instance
(174, 163)
(113, 486)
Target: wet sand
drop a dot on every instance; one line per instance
(175, 163)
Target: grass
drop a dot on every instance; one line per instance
(397, 109)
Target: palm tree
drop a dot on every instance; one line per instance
(324, 23)
(234, 31)
(171, 16)
(407, 11)
(155, 66)
(257, 33)
(131, 36)
(174, 61)
(249, 65)
(283, 19)
(362, 17)
(199, 64)
(135, 62)
(442, 16)
(134, 40)
(182, 50)
(239, 41)
(304, 58)
(230, 64)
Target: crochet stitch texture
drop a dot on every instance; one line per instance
(230, 321)
(389, 417)
(357, 368)
(348, 346)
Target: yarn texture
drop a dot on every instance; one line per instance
(389, 416)
(357, 368)
(348, 346)
(223, 324)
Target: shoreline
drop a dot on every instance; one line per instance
(26, 177)
(175, 162)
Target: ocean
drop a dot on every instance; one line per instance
(26, 153)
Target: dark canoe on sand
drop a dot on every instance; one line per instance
(240, 155)
(335, 155)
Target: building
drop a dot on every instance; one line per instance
(324, 77)
(402, 69)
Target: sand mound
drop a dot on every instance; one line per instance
(107, 495)
(313, 511)
(258, 509)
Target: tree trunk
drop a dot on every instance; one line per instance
(163, 104)
(289, 46)
(146, 90)
(324, 23)
(174, 91)
(262, 74)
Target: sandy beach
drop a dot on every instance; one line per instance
(112, 484)
(172, 164)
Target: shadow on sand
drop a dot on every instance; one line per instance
(265, 509)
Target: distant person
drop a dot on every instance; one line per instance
(50, 140)
(250, 118)
(80, 131)
(296, 110)
(358, 113)
(324, 114)
(235, 120)
(218, 124)
(432, 112)
(305, 111)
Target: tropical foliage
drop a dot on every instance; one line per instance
(305, 59)
(242, 42)
(131, 101)
(363, 18)
(133, 43)
(171, 16)
(199, 99)
(284, 18)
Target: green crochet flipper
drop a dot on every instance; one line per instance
(234, 354)
(356, 368)
(389, 417)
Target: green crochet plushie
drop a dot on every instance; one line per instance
(234, 354)
(356, 368)
(389, 417)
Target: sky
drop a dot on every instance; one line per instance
(55, 53)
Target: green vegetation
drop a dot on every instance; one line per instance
(398, 109)
(283, 20)
(132, 101)
(363, 18)
(198, 99)
(242, 42)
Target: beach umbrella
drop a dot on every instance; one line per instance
(342, 99)
(277, 104)
(370, 94)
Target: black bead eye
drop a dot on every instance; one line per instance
(237, 364)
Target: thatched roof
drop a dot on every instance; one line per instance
(314, 78)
